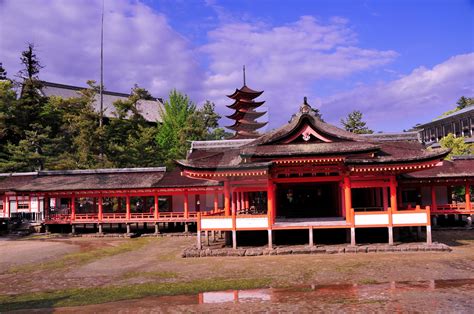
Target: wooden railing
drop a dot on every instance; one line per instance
(458, 208)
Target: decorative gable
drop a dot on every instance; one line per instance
(307, 134)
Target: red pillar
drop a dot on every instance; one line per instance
(6, 206)
(156, 213)
(226, 198)
(348, 200)
(468, 196)
(100, 209)
(270, 202)
(127, 207)
(246, 198)
(238, 201)
(434, 206)
(73, 208)
(393, 194)
(186, 205)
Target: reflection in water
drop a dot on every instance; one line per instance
(432, 295)
(360, 291)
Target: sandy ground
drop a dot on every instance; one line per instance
(160, 261)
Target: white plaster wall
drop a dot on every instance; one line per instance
(251, 222)
(414, 218)
(370, 220)
(216, 223)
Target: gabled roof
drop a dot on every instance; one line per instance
(307, 135)
(148, 108)
(457, 168)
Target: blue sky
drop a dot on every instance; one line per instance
(399, 62)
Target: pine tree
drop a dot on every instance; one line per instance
(3, 73)
(353, 123)
(457, 145)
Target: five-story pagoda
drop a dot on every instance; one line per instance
(245, 115)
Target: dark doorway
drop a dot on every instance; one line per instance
(308, 200)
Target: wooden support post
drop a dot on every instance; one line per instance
(156, 209)
(127, 213)
(470, 218)
(393, 194)
(206, 236)
(435, 220)
(348, 200)
(73, 208)
(73, 229)
(226, 198)
(100, 228)
(418, 232)
(428, 234)
(270, 202)
(353, 236)
(390, 235)
(199, 244)
(270, 239)
(186, 205)
(311, 235)
(186, 227)
(468, 197)
(100, 214)
(157, 228)
(128, 228)
(234, 239)
(238, 201)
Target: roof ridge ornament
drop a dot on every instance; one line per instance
(305, 107)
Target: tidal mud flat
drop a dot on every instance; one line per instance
(73, 274)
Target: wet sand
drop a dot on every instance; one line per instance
(374, 281)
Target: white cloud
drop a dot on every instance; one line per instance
(285, 61)
(415, 98)
(140, 46)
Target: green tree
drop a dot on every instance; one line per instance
(457, 145)
(464, 102)
(129, 137)
(182, 123)
(3, 72)
(353, 123)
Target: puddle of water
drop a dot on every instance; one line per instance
(433, 295)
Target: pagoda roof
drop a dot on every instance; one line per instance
(241, 125)
(239, 115)
(244, 135)
(245, 92)
(245, 103)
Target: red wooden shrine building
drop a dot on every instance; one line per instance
(305, 175)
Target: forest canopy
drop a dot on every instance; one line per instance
(54, 133)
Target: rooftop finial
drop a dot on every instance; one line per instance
(244, 75)
(305, 107)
